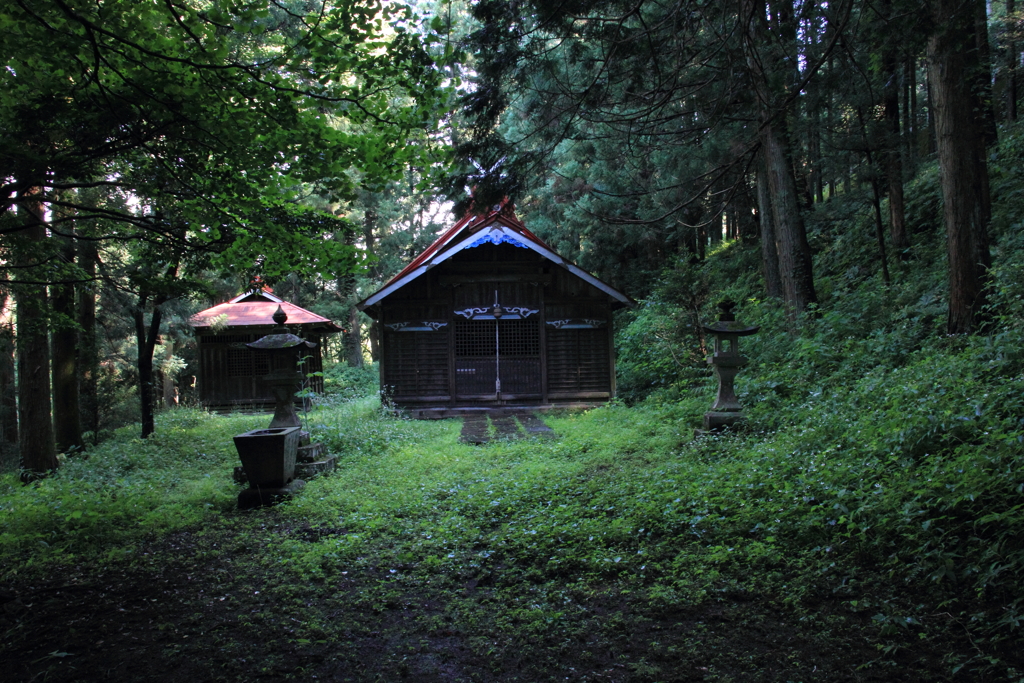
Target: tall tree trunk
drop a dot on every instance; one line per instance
(346, 293)
(954, 59)
(354, 337)
(981, 75)
(354, 350)
(931, 146)
(38, 452)
(769, 254)
(909, 110)
(88, 354)
(8, 387)
(876, 199)
(892, 154)
(170, 391)
(370, 242)
(146, 341)
(790, 234)
(748, 227)
(816, 161)
(1011, 63)
(830, 133)
(717, 225)
(897, 211)
(67, 421)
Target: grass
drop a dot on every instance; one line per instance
(866, 524)
(623, 549)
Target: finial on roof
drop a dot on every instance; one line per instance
(726, 308)
(280, 317)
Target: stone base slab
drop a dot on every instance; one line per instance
(715, 422)
(309, 470)
(311, 452)
(261, 497)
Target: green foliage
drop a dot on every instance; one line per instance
(101, 505)
(890, 490)
(924, 202)
(342, 380)
(355, 426)
(226, 116)
(1006, 164)
(881, 460)
(659, 344)
(873, 495)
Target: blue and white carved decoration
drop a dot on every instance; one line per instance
(517, 312)
(577, 324)
(496, 237)
(510, 313)
(423, 326)
(497, 311)
(474, 313)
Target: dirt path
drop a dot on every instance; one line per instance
(483, 427)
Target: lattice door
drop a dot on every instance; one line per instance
(476, 371)
(499, 358)
(519, 356)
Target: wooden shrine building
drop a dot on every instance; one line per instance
(490, 316)
(229, 372)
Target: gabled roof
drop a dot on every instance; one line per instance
(497, 226)
(257, 295)
(256, 309)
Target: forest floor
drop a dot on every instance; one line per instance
(197, 608)
(388, 570)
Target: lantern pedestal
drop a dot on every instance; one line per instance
(283, 386)
(717, 422)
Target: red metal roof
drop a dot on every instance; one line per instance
(256, 313)
(472, 222)
(499, 220)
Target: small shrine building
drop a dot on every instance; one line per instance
(230, 374)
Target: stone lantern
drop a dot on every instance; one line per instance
(727, 361)
(284, 350)
(269, 455)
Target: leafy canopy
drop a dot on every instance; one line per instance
(229, 111)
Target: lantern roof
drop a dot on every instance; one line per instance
(277, 342)
(280, 338)
(731, 327)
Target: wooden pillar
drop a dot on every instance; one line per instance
(543, 322)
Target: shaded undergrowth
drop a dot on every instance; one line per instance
(842, 533)
(865, 524)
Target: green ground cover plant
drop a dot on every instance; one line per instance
(865, 524)
(877, 520)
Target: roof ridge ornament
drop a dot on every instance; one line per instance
(484, 173)
(280, 317)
